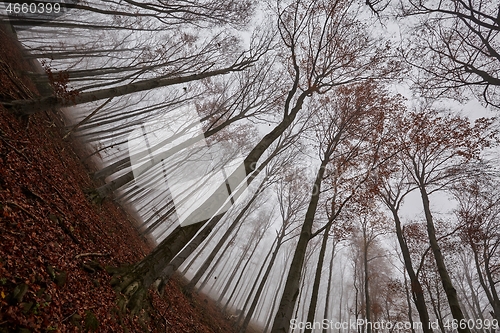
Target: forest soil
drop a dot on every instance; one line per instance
(55, 243)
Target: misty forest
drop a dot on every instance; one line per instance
(309, 165)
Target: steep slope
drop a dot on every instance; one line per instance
(55, 244)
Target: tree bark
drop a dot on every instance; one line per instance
(135, 283)
(195, 242)
(275, 299)
(202, 250)
(242, 258)
(289, 297)
(262, 283)
(326, 314)
(416, 287)
(487, 291)
(408, 302)
(311, 313)
(222, 255)
(366, 284)
(43, 103)
(492, 283)
(450, 291)
(237, 282)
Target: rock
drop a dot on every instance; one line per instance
(51, 272)
(87, 268)
(95, 265)
(92, 266)
(76, 319)
(40, 292)
(91, 322)
(26, 307)
(61, 279)
(17, 295)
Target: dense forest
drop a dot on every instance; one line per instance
(312, 166)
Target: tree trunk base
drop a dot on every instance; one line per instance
(131, 294)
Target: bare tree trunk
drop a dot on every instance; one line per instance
(450, 291)
(181, 257)
(302, 302)
(311, 313)
(474, 302)
(222, 277)
(259, 236)
(134, 284)
(262, 283)
(437, 309)
(204, 266)
(217, 262)
(241, 276)
(43, 103)
(341, 305)
(494, 304)
(408, 302)
(202, 250)
(366, 277)
(326, 314)
(356, 298)
(275, 299)
(193, 245)
(301, 292)
(492, 283)
(416, 287)
(159, 220)
(263, 301)
(288, 299)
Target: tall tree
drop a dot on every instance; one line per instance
(201, 270)
(392, 187)
(292, 201)
(433, 161)
(250, 95)
(44, 103)
(226, 100)
(317, 63)
(350, 134)
(478, 211)
(119, 41)
(337, 231)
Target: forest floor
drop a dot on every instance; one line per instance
(54, 242)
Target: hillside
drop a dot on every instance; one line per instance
(55, 244)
